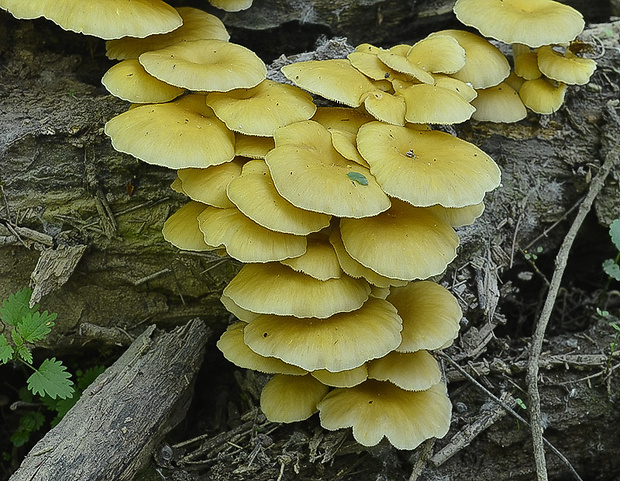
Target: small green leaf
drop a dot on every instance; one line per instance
(6, 350)
(21, 349)
(612, 269)
(15, 308)
(357, 177)
(614, 232)
(35, 326)
(28, 423)
(520, 403)
(615, 326)
(52, 379)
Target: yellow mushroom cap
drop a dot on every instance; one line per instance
(458, 216)
(235, 350)
(231, 5)
(253, 147)
(430, 314)
(108, 20)
(368, 63)
(255, 195)
(244, 239)
(404, 242)
(458, 86)
(438, 54)
(396, 58)
(343, 341)
(485, 65)
(197, 25)
(309, 173)
(427, 167)
(530, 22)
(348, 378)
(182, 231)
(262, 109)
(542, 96)
(209, 185)
(525, 61)
(414, 371)
(128, 81)
(240, 313)
(499, 104)
(319, 260)
(259, 288)
(568, 68)
(377, 409)
(431, 104)
(179, 134)
(386, 107)
(287, 399)
(205, 65)
(335, 80)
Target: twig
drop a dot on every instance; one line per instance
(425, 455)
(541, 326)
(509, 410)
(554, 225)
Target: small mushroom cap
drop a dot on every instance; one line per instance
(319, 260)
(422, 243)
(485, 65)
(287, 399)
(231, 5)
(458, 216)
(240, 313)
(415, 371)
(205, 65)
(234, 349)
(259, 287)
(108, 20)
(335, 80)
(253, 147)
(369, 64)
(427, 167)
(128, 81)
(396, 58)
(181, 228)
(431, 104)
(309, 173)
(348, 378)
(262, 109)
(499, 104)
(376, 409)
(386, 107)
(180, 134)
(542, 96)
(343, 341)
(458, 86)
(197, 25)
(354, 269)
(244, 239)
(438, 54)
(209, 185)
(530, 22)
(430, 314)
(568, 68)
(525, 61)
(255, 195)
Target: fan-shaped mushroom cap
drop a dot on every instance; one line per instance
(309, 173)
(542, 96)
(426, 167)
(287, 399)
(319, 261)
(438, 54)
(386, 107)
(197, 25)
(368, 63)
(335, 80)
(234, 349)
(259, 288)
(240, 313)
(430, 104)
(244, 239)
(430, 314)
(354, 269)
(485, 65)
(180, 134)
(262, 109)
(568, 68)
(181, 228)
(376, 409)
(458, 216)
(128, 81)
(422, 244)
(231, 5)
(205, 65)
(209, 185)
(458, 86)
(525, 61)
(499, 104)
(348, 378)
(253, 147)
(107, 20)
(396, 58)
(343, 341)
(415, 371)
(255, 195)
(530, 22)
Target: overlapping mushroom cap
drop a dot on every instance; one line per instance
(182, 231)
(209, 185)
(567, 68)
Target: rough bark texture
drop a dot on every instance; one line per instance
(122, 416)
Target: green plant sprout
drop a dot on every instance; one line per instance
(610, 266)
(532, 256)
(25, 326)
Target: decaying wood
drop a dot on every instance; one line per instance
(113, 429)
